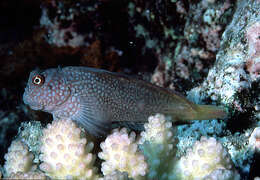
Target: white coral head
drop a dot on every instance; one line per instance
(254, 140)
(206, 156)
(158, 130)
(65, 153)
(18, 158)
(120, 152)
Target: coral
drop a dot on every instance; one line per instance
(253, 61)
(120, 152)
(70, 23)
(205, 157)
(28, 175)
(189, 133)
(158, 76)
(18, 159)
(254, 140)
(116, 175)
(30, 134)
(206, 19)
(235, 61)
(158, 131)
(154, 33)
(222, 174)
(65, 154)
(61, 37)
(159, 146)
(196, 49)
(239, 150)
(252, 36)
(233, 82)
(8, 126)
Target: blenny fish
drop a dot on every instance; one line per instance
(95, 98)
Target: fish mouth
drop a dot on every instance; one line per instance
(36, 107)
(31, 104)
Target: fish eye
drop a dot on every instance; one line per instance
(38, 80)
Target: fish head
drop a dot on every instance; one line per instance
(46, 90)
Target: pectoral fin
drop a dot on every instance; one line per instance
(92, 117)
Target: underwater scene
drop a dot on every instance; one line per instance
(130, 89)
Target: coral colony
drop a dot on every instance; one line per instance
(66, 153)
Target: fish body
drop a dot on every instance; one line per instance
(95, 98)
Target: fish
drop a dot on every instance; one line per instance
(96, 98)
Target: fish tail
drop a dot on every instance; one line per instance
(204, 112)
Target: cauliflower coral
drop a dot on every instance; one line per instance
(120, 152)
(65, 154)
(159, 146)
(18, 159)
(254, 140)
(206, 160)
(116, 175)
(28, 175)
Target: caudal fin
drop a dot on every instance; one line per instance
(204, 112)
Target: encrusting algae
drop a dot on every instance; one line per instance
(95, 98)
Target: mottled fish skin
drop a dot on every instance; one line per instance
(95, 98)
